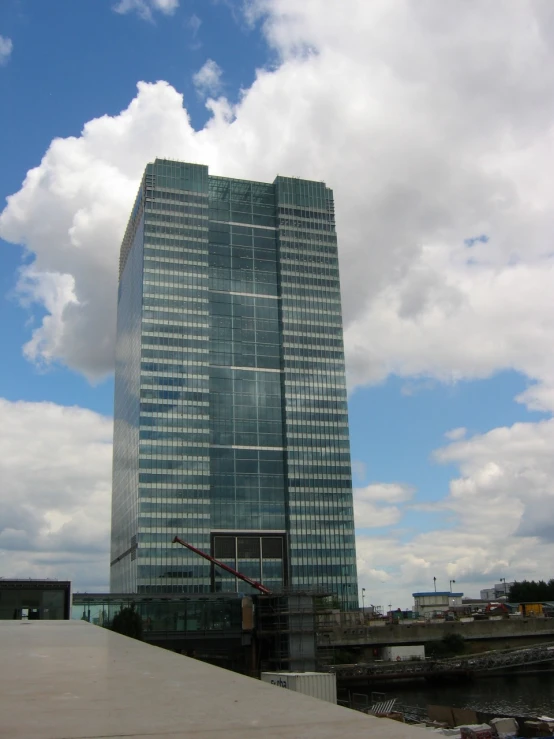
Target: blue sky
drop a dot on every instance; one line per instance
(440, 162)
(84, 76)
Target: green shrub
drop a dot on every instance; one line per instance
(128, 622)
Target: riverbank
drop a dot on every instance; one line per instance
(509, 695)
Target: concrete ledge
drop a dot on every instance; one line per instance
(72, 680)
(418, 633)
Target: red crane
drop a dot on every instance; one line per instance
(213, 560)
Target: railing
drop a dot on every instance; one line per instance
(456, 665)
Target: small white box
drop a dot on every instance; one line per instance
(322, 685)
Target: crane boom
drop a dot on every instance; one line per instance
(213, 560)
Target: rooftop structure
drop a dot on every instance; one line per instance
(34, 599)
(438, 594)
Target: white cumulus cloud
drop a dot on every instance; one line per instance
(435, 127)
(372, 504)
(386, 492)
(507, 482)
(6, 48)
(439, 153)
(55, 467)
(208, 78)
(497, 520)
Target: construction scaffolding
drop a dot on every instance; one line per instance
(286, 631)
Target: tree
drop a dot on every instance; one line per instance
(531, 591)
(449, 646)
(128, 622)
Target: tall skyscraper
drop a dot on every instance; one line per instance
(231, 425)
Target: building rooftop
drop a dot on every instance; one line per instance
(439, 592)
(71, 680)
(34, 579)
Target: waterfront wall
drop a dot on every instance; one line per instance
(533, 630)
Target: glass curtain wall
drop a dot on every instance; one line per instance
(161, 445)
(320, 510)
(246, 426)
(230, 401)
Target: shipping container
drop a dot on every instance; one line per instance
(322, 685)
(401, 654)
(531, 609)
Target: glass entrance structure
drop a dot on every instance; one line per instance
(231, 423)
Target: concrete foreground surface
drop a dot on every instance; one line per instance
(70, 679)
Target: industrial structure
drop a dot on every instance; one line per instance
(231, 425)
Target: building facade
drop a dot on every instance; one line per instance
(428, 603)
(231, 425)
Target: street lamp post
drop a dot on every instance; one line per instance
(363, 601)
(452, 582)
(503, 579)
(435, 583)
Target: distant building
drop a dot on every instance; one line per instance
(35, 599)
(499, 590)
(488, 594)
(429, 603)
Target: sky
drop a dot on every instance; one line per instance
(433, 123)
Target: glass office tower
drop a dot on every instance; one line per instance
(231, 424)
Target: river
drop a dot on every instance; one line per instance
(517, 695)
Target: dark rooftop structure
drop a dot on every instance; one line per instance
(36, 600)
